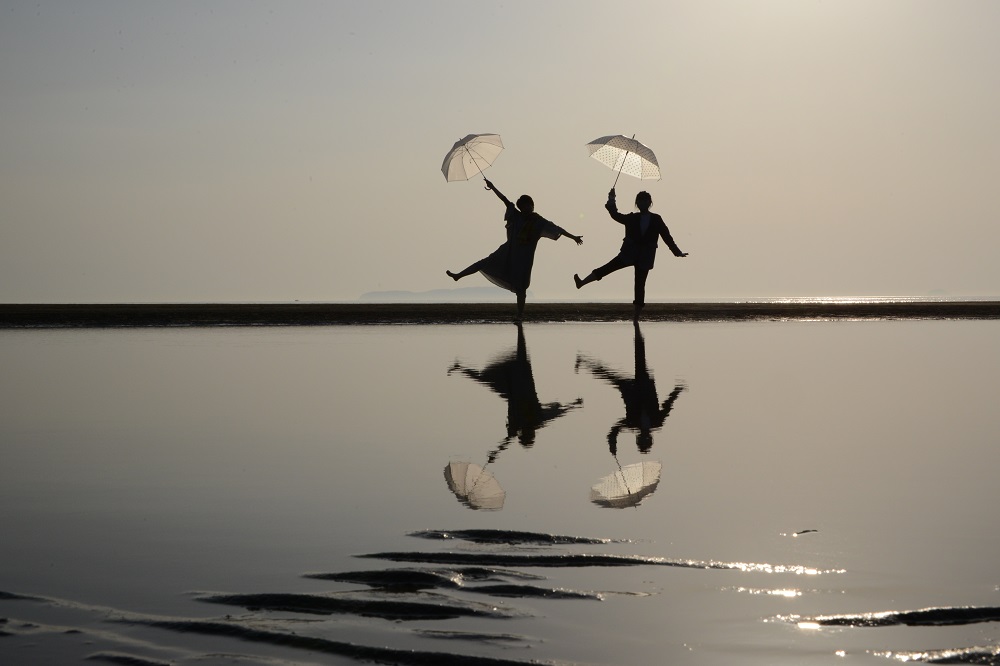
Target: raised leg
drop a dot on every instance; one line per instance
(474, 268)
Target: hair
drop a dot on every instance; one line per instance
(643, 196)
(525, 201)
(644, 441)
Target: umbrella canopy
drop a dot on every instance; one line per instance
(628, 486)
(469, 156)
(625, 155)
(474, 486)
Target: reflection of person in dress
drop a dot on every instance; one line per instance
(643, 411)
(509, 266)
(510, 376)
(638, 248)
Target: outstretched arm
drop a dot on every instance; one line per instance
(552, 230)
(490, 186)
(668, 404)
(471, 373)
(601, 371)
(578, 239)
(669, 240)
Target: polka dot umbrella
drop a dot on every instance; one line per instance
(622, 153)
(628, 486)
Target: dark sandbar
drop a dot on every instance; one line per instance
(320, 314)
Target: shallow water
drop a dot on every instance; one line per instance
(171, 494)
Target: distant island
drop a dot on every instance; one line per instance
(461, 294)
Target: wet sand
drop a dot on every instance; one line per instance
(281, 495)
(318, 314)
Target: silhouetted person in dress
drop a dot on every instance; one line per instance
(510, 376)
(642, 229)
(644, 412)
(509, 266)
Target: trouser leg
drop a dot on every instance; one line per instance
(600, 272)
(640, 290)
(640, 286)
(615, 264)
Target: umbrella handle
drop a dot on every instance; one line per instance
(624, 483)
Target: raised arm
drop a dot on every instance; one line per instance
(612, 208)
(490, 186)
(613, 436)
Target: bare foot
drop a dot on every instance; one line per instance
(453, 276)
(579, 282)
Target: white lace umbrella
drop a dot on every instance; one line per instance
(474, 486)
(469, 156)
(628, 486)
(624, 154)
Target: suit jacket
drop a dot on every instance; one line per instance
(637, 247)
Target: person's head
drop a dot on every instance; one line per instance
(644, 441)
(643, 201)
(525, 204)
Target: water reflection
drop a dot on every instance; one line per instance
(643, 411)
(474, 486)
(627, 486)
(509, 375)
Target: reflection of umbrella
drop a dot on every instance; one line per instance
(627, 486)
(624, 154)
(474, 486)
(469, 156)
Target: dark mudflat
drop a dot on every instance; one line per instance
(318, 314)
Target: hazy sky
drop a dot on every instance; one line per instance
(273, 151)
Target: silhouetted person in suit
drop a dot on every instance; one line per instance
(509, 266)
(642, 229)
(510, 376)
(643, 411)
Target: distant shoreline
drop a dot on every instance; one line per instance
(141, 315)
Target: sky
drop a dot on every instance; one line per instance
(251, 151)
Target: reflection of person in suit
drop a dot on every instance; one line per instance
(643, 411)
(510, 376)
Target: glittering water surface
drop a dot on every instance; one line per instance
(755, 493)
